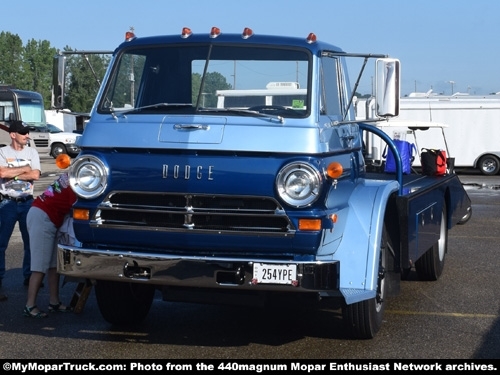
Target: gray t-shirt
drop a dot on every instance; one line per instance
(12, 158)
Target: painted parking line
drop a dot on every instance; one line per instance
(456, 315)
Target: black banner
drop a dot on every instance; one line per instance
(250, 366)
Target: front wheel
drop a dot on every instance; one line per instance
(364, 318)
(124, 303)
(430, 265)
(466, 217)
(57, 149)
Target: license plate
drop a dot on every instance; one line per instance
(274, 273)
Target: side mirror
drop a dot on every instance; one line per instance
(387, 74)
(59, 64)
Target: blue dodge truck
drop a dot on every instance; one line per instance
(261, 197)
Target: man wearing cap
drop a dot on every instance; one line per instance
(19, 167)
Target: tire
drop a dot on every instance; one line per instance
(489, 165)
(430, 266)
(123, 303)
(57, 149)
(364, 318)
(466, 217)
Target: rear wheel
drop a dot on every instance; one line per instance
(489, 165)
(364, 318)
(430, 265)
(123, 303)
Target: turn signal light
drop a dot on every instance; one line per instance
(81, 214)
(334, 170)
(310, 224)
(63, 161)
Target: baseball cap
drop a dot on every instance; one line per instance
(18, 127)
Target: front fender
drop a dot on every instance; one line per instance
(359, 248)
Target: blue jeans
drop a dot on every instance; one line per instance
(10, 213)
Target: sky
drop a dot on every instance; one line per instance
(448, 46)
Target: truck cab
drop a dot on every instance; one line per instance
(210, 202)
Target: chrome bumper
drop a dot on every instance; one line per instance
(200, 272)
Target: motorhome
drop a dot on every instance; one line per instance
(28, 107)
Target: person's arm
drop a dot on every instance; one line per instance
(36, 166)
(31, 175)
(22, 173)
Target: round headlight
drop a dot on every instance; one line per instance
(298, 184)
(88, 177)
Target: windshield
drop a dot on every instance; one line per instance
(32, 112)
(53, 129)
(185, 79)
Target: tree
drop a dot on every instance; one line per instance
(31, 68)
(12, 66)
(26, 68)
(213, 81)
(85, 74)
(39, 57)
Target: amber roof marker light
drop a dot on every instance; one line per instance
(214, 32)
(186, 32)
(311, 38)
(129, 35)
(247, 33)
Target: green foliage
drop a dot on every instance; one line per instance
(129, 73)
(13, 70)
(213, 81)
(30, 67)
(83, 82)
(38, 57)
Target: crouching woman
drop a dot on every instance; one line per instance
(45, 217)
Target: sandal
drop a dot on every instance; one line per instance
(28, 312)
(58, 307)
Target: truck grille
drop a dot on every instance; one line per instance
(178, 212)
(41, 142)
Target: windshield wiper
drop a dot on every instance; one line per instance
(244, 112)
